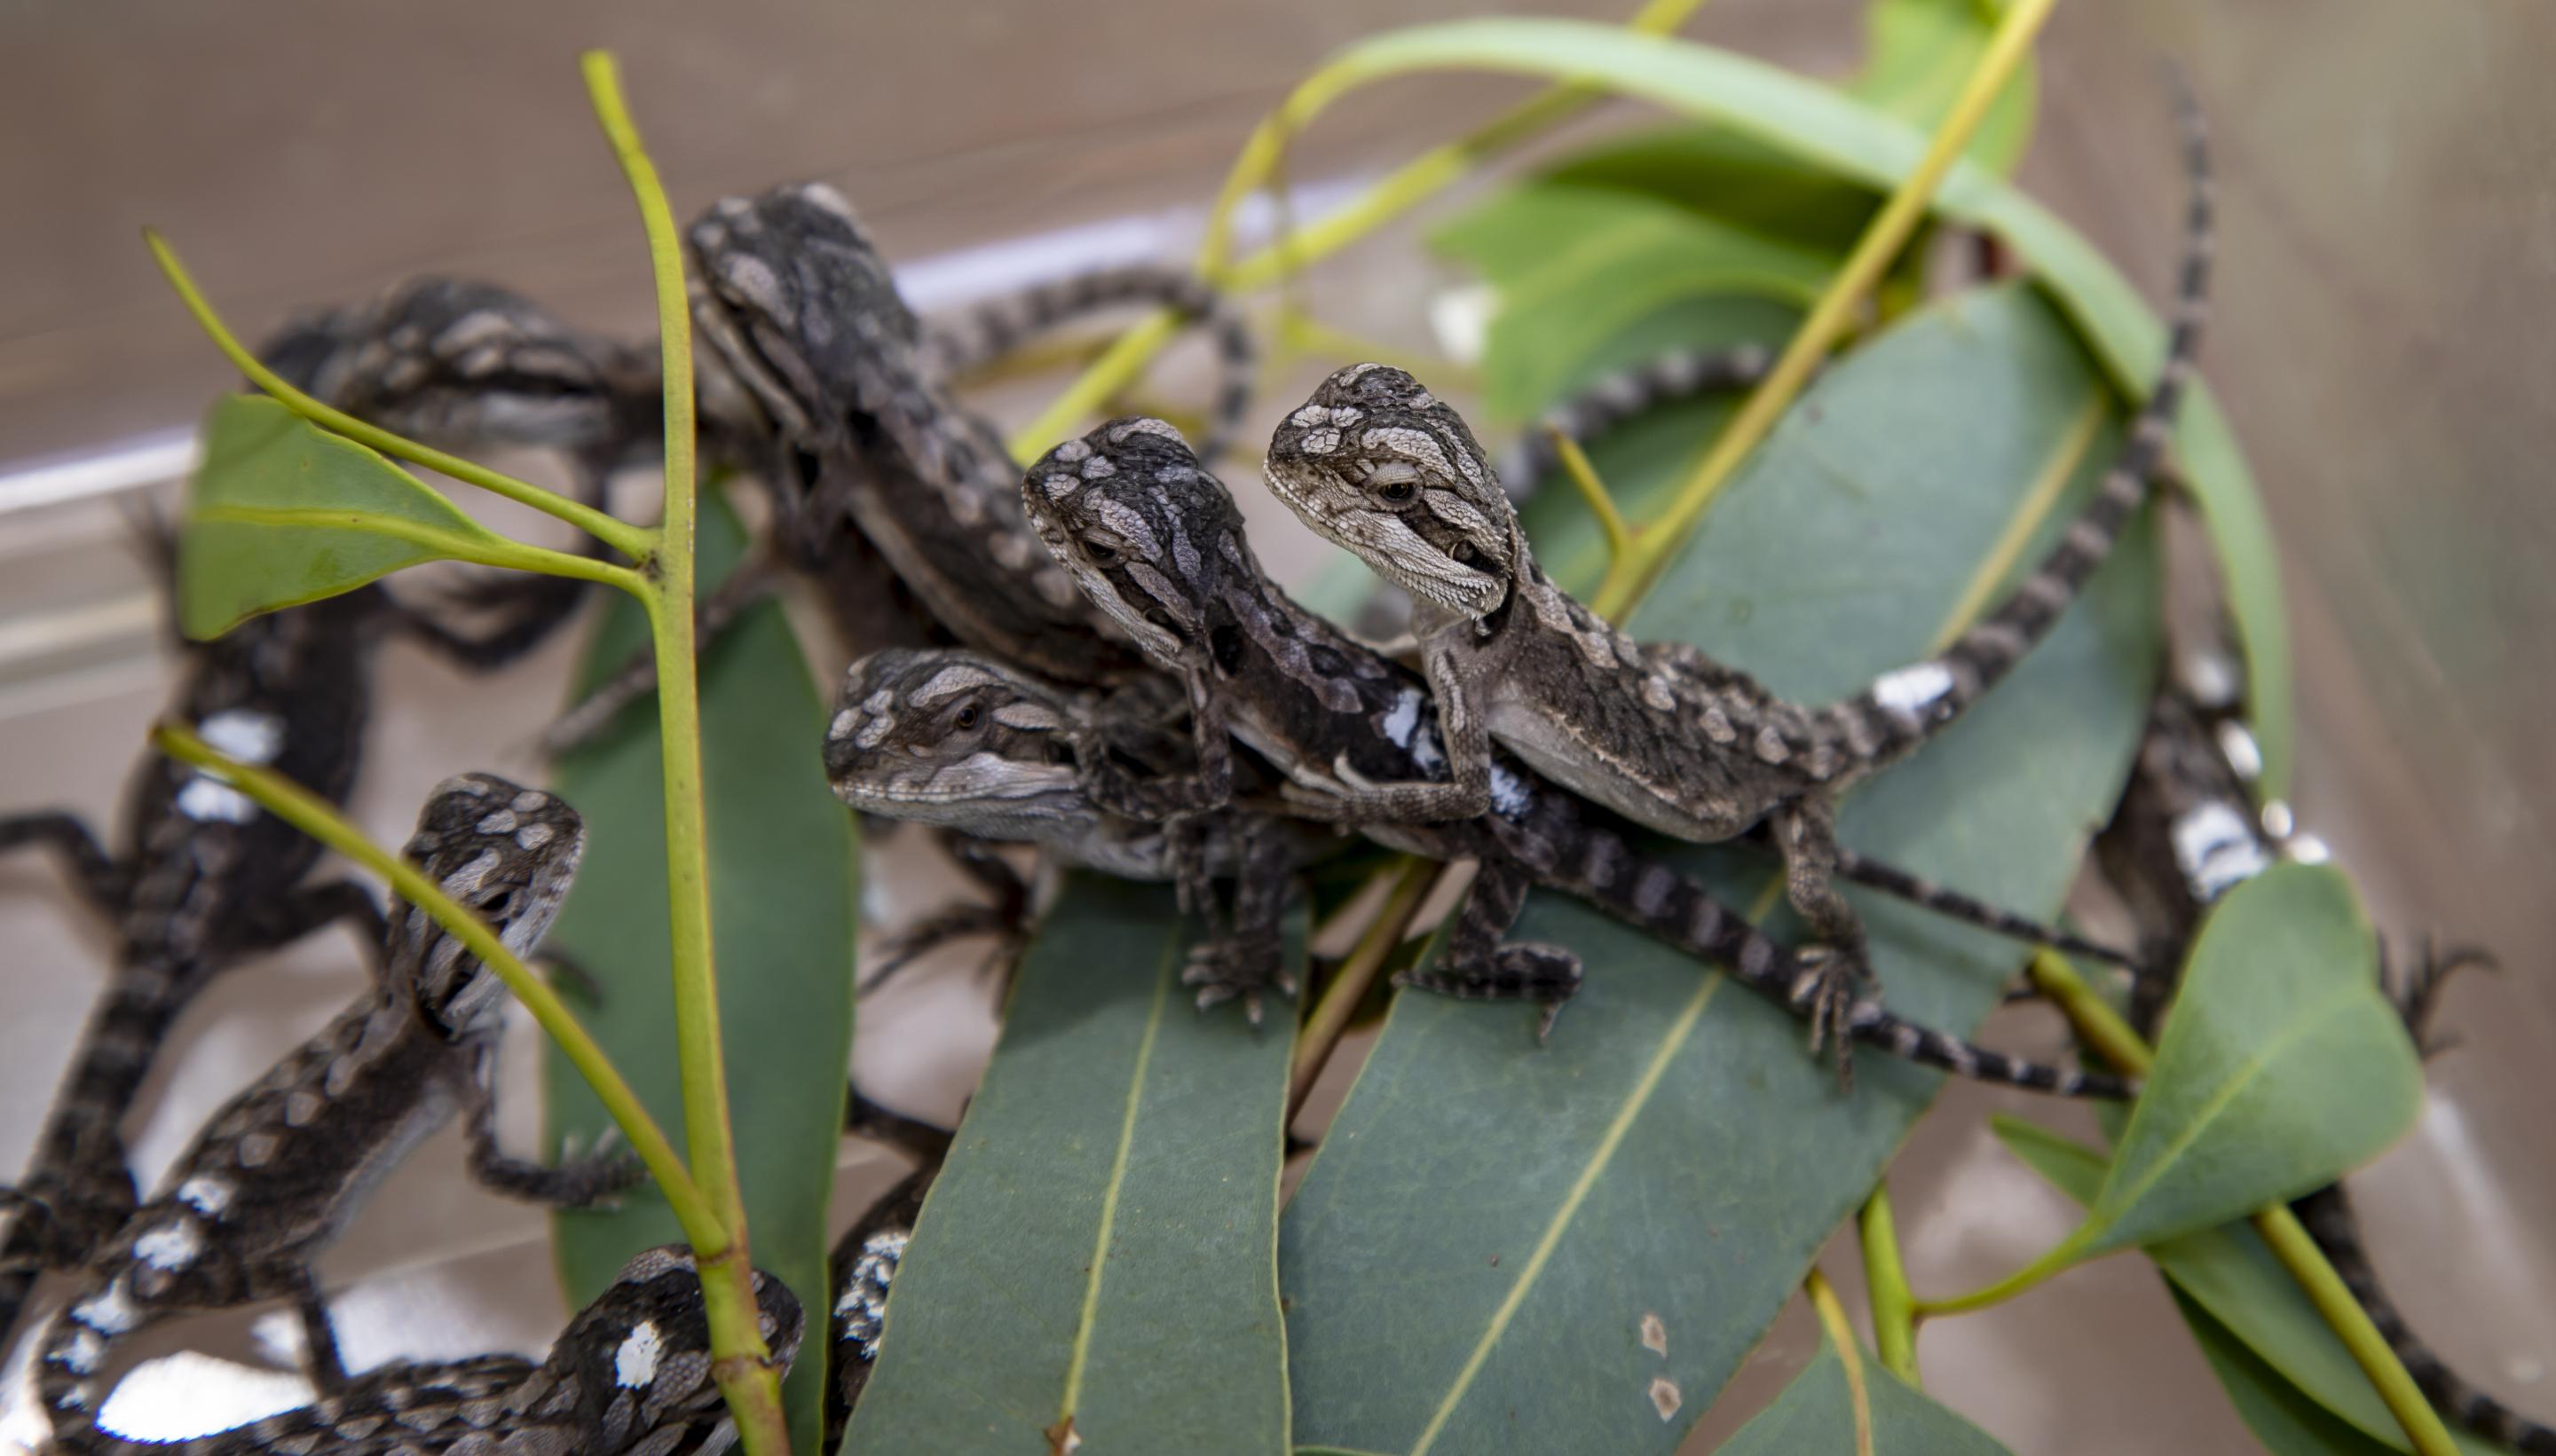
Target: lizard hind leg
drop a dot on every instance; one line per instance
(1477, 964)
(1837, 968)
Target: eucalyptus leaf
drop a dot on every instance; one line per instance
(1833, 132)
(784, 878)
(1097, 1253)
(1919, 54)
(1815, 1414)
(2285, 1420)
(1473, 1252)
(2282, 1066)
(282, 512)
(2227, 1277)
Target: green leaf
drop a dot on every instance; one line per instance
(1828, 131)
(1471, 1253)
(2285, 1420)
(1918, 55)
(2282, 1064)
(1815, 1414)
(281, 513)
(2229, 1277)
(784, 878)
(1099, 1247)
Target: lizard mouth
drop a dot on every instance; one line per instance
(954, 792)
(1443, 576)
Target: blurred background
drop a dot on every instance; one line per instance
(2388, 248)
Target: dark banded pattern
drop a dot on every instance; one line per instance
(1905, 707)
(989, 331)
(1666, 378)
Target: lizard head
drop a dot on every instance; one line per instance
(950, 737)
(1374, 462)
(637, 1360)
(503, 852)
(800, 307)
(445, 361)
(1146, 532)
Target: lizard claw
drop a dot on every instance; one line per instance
(1827, 994)
(1223, 970)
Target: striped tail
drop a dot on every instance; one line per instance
(2327, 1213)
(1664, 379)
(1953, 905)
(1677, 909)
(1905, 707)
(993, 329)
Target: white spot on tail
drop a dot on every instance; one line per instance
(111, 1312)
(205, 800)
(2216, 849)
(172, 1245)
(1508, 793)
(207, 1195)
(634, 1364)
(81, 1355)
(1912, 690)
(250, 737)
(1402, 717)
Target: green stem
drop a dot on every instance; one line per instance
(1833, 1321)
(1894, 1307)
(480, 551)
(2326, 1289)
(1331, 1016)
(1828, 320)
(1601, 503)
(1406, 187)
(634, 542)
(741, 1362)
(304, 810)
(2103, 1028)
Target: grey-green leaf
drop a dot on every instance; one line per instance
(1815, 125)
(2282, 1418)
(1815, 1414)
(2229, 1277)
(281, 512)
(1473, 1255)
(784, 879)
(1099, 1249)
(2282, 1066)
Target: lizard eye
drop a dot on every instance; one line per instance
(967, 718)
(1464, 554)
(1100, 551)
(1396, 482)
(1398, 492)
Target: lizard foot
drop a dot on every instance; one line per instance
(1223, 969)
(1826, 992)
(2417, 994)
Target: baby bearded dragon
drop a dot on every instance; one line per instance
(1657, 732)
(952, 738)
(630, 1376)
(463, 366)
(875, 458)
(280, 1168)
(2187, 833)
(865, 1258)
(206, 879)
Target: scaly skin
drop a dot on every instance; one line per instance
(1015, 769)
(1658, 732)
(282, 1166)
(630, 1376)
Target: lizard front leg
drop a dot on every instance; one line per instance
(1248, 956)
(1806, 831)
(1138, 793)
(94, 872)
(313, 908)
(1348, 798)
(1476, 963)
(579, 1182)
